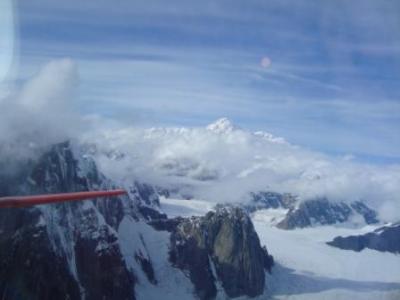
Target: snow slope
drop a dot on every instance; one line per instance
(138, 237)
(306, 267)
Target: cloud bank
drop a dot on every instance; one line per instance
(220, 162)
(223, 163)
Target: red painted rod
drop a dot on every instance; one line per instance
(22, 201)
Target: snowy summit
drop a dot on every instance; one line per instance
(222, 125)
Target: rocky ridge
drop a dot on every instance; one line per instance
(384, 239)
(221, 247)
(310, 212)
(103, 249)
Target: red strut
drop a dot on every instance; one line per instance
(22, 201)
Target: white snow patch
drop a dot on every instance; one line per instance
(172, 283)
(308, 268)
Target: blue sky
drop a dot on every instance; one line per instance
(332, 83)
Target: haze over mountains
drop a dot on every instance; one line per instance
(147, 245)
(224, 163)
(257, 142)
(218, 159)
(218, 191)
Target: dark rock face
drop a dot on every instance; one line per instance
(29, 268)
(67, 250)
(188, 255)
(74, 250)
(224, 241)
(100, 266)
(383, 239)
(324, 212)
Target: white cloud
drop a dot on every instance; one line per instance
(191, 77)
(223, 166)
(219, 163)
(40, 113)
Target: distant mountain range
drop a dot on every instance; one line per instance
(128, 247)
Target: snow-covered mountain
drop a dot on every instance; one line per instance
(223, 163)
(311, 212)
(203, 206)
(323, 212)
(110, 249)
(305, 266)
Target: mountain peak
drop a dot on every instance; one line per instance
(222, 125)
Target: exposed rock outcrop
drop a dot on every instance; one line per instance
(103, 249)
(67, 250)
(29, 267)
(221, 246)
(385, 239)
